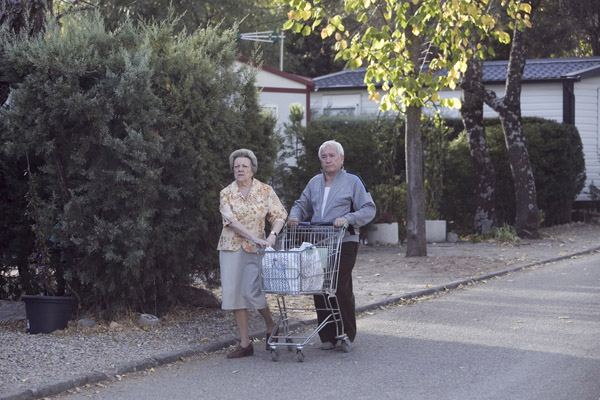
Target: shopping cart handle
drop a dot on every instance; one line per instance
(306, 223)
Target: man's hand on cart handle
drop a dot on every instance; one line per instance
(339, 222)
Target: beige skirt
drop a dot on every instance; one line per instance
(240, 281)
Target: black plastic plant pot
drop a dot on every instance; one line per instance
(46, 314)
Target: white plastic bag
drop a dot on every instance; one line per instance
(294, 271)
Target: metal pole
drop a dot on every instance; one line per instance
(281, 53)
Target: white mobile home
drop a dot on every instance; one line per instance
(278, 90)
(563, 89)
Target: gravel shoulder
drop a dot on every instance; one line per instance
(31, 364)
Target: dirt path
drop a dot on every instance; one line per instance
(385, 272)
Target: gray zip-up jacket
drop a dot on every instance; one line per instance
(347, 198)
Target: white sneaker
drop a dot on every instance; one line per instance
(327, 346)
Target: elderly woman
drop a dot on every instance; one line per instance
(339, 197)
(244, 206)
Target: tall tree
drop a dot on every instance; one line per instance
(310, 55)
(24, 14)
(416, 243)
(191, 14)
(484, 219)
(249, 15)
(394, 37)
(17, 15)
(554, 33)
(509, 111)
(586, 17)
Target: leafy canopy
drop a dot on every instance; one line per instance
(444, 29)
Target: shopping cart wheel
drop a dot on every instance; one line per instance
(346, 345)
(290, 346)
(300, 355)
(274, 354)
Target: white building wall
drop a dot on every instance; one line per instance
(278, 94)
(587, 115)
(537, 100)
(279, 103)
(544, 100)
(268, 79)
(320, 101)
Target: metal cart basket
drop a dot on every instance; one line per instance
(304, 261)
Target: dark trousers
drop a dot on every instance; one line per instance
(344, 296)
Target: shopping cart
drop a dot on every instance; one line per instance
(304, 261)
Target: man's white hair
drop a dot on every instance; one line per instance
(333, 143)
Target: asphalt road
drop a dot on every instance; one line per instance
(533, 334)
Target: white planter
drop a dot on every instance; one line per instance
(435, 231)
(383, 234)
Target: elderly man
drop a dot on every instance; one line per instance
(339, 197)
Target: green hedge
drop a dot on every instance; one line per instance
(556, 156)
(16, 235)
(133, 129)
(365, 153)
(358, 137)
(375, 150)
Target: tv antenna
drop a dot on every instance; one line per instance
(267, 37)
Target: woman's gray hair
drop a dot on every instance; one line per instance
(338, 147)
(244, 153)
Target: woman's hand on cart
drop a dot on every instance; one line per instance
(271, 240)
(262, 242)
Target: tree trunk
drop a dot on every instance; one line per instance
(526, 219)
(20, 14)
(586, 13)
(471, 112)
(416, 244)
(4, 92)
(509, 110)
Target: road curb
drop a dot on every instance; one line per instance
(453, 285)
(59, 387)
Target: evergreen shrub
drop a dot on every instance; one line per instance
(364, 153)
(357, 136)
(556, 156)
(16, 235)
(361, 154)
(374, 149)
(133, 128)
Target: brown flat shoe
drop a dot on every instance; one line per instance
(241, 352)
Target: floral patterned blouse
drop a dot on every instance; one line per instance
(261, 203)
